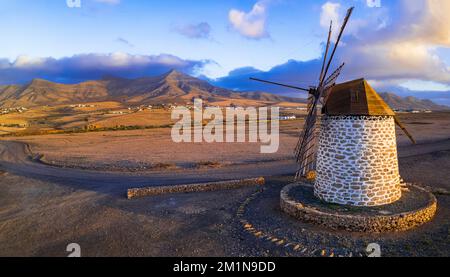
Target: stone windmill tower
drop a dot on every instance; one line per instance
(353, 156)
(357, 151)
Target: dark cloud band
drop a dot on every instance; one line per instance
(93, 66)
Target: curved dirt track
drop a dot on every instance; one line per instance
(45, 208)
(15, 157)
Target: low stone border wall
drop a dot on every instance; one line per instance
(213, 186)
(357, 223)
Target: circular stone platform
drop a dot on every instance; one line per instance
(416, 207)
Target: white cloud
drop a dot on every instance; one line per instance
(389, 46)
(430, 23)
(252, 24)
(425, 85)
(28, 62)
(330, 12)
(405, 49)
(124, 60)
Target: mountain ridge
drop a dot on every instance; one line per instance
(410, 103)
(172, 87)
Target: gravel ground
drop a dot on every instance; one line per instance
(264, 214)
(44, 208)
(41, 219)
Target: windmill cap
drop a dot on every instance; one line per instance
(356, 97)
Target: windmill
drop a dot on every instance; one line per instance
(306, 149)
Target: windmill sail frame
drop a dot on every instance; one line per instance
(306, 148)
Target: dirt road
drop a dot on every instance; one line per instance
(15, 158)
(45, 208)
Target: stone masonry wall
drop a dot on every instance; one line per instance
(357, 161)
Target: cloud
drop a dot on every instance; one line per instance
(330, 12)
(28, 62)
(404, 49)
(293, 72)
(389, 46)
(92, 66)
(124, 41)
(430, 23)
(195, 31)
(252, 24)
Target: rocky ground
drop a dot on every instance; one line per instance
(263, 213)
(41, 219)
(44, 208)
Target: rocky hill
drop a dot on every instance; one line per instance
(173, 87)
(410, 103)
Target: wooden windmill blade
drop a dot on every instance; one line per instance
(306, 148)
(309, 106)
(279, 84)
(311, 98)
(305, 133)
(306, 155)
(306, 152)
(326, 52)
(398, 122)
(330, 83)
(344, 24)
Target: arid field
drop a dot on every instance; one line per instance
(149, 148)
(70, 187)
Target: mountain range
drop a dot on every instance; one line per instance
(173, 87)
(410, 103)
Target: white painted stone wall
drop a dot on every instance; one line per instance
(357, 161)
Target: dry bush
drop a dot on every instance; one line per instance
(208, 164)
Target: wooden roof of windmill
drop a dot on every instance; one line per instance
(356, 97)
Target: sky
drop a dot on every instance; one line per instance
(398, 45)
